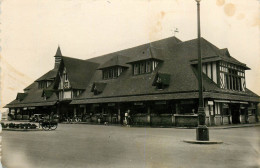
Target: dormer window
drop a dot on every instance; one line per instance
(21, 96)
(47, 94)
(114, 67)
(98, 87)
(44, 84)
(161, 81)
(143, 67)
(76, 93)
(113, 72)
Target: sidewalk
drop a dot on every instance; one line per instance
(17, 121)
(234, 126)
(87, 123)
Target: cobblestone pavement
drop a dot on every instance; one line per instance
(98, 146)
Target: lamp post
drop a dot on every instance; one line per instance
(202, 132)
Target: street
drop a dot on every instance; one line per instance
(98, 146)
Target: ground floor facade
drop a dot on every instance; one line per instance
(180, 113)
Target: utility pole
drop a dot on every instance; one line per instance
(202, 132)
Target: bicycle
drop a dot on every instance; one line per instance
(68, 120)
(48, 125)
(77, 119)
(74, 119)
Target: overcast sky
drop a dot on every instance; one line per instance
(31, 30)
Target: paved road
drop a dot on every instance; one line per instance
(76, 146)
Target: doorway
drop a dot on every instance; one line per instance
(235, 113)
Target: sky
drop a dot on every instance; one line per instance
(31, 31)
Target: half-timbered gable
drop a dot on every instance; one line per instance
(73, 77)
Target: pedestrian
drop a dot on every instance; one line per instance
(127, 117)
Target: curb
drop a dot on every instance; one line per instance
(22, 130)
(211, 142)
(235, 126)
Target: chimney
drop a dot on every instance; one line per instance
(57, 56)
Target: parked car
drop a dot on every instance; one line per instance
(4, 116)
(36, 117)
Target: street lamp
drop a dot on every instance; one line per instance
(202, 132)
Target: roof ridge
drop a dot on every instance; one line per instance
(83, 60)
(144, 44)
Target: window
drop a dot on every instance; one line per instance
(155, 63)
(148, 66)
(159, 83)
(44, 84)
(144, 67)
(234, 77)
(210, 69)
(65, 77)
(67, 95)
(136, 69)
(217, 109)
(111, 73)
(76, 93)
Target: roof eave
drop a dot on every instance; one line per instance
(102, 68)
(157, 59)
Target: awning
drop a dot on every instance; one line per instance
(224, 97)
(238, 102)
(227, 101)
(140, 98)
(222, 101)
(37, 104)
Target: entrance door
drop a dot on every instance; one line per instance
(235, 113)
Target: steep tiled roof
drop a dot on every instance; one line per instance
(148, 53)
(176, 63)
(21, 96)
(79, 71)
(33, 98)
(208, 50)
(176, 57)
(30, 86)
(164, 44)
(50, 75)
(117, 60)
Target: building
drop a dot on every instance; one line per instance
(156, 82)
